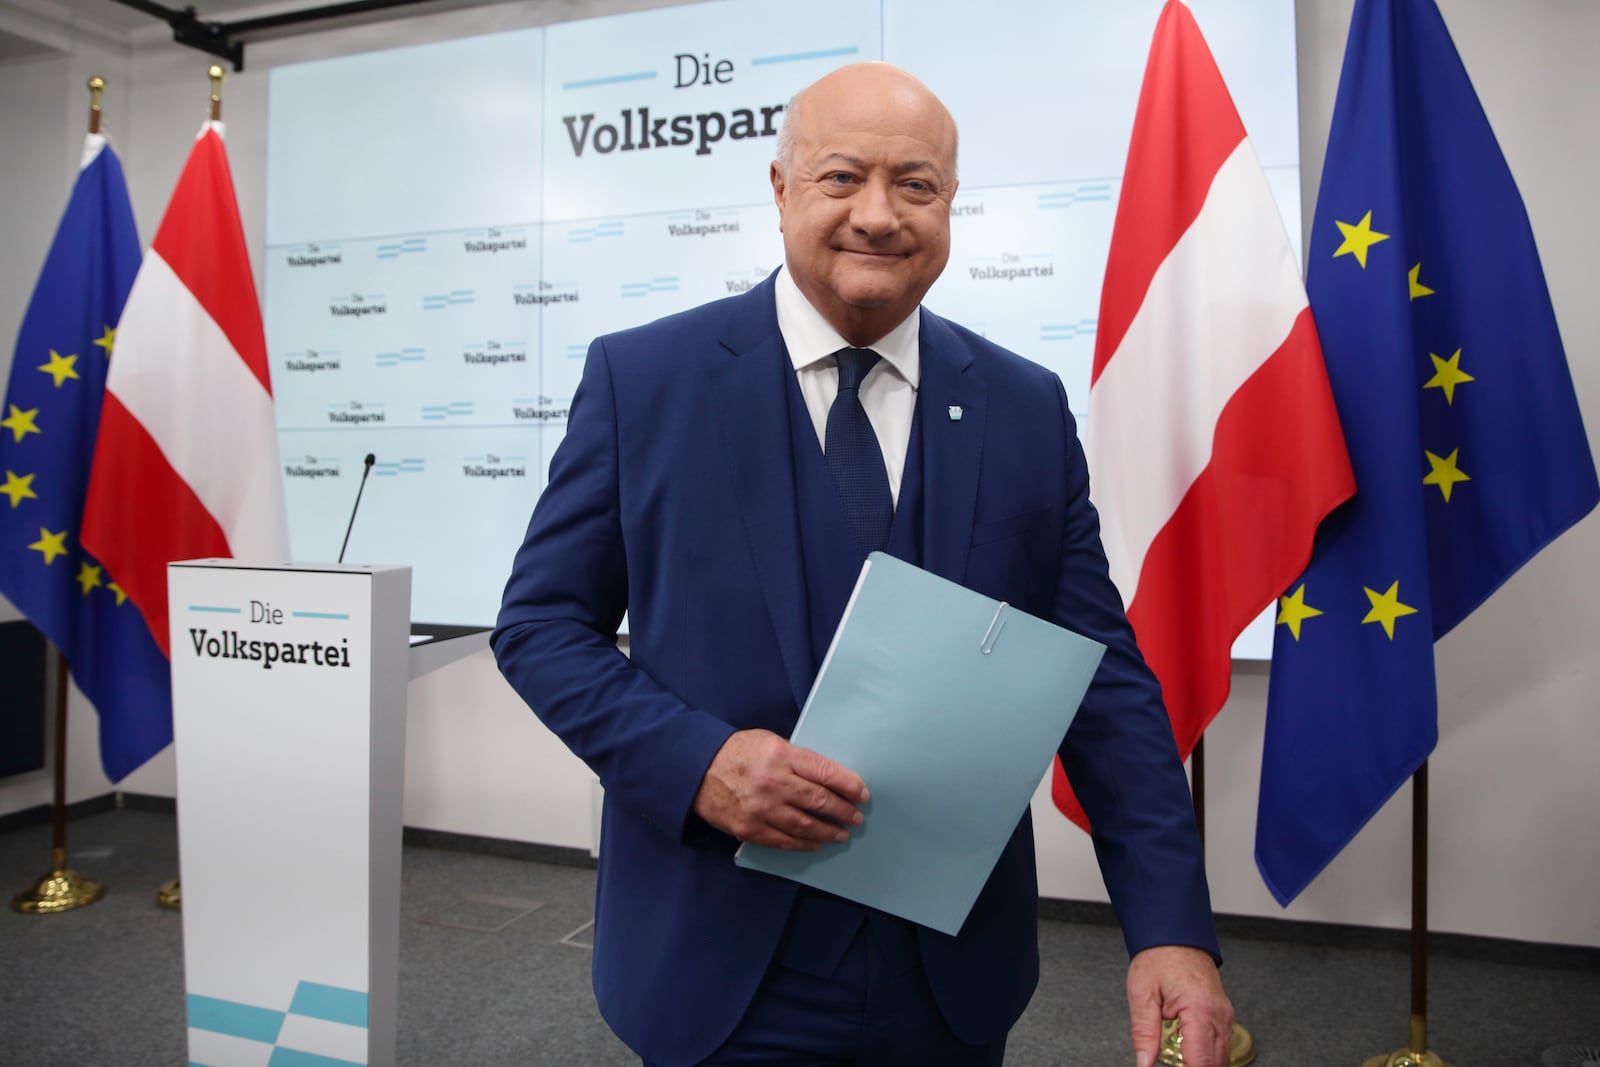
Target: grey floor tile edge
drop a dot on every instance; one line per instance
(449, 841)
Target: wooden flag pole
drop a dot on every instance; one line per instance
(1416, 1054)
(97, 85)
(215, 74)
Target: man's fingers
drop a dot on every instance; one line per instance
(761, 788)
(1177, 981)
(1206, 1039)
(1146, 1020)
(813, 815)
(822, 802)
(792, 829)
(818, 768)
(772, 837)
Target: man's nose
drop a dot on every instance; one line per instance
(872, 210)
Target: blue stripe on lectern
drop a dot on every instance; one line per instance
(219, 611)
(330, 1004)
(234, 1019)
(293, 1057)
(318, 615)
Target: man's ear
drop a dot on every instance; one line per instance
(776, 175)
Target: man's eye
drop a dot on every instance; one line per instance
(840, 179)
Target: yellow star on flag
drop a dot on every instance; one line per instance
(51, 544)
(106, 340)
(18, 488)
(1417, 288)
(1386, 608)
(1358, 238)
(20, 422)
(1447, 374)
(88, 576)
(1444, 473)
(117, 589)
(60, 367)
(1293, 610)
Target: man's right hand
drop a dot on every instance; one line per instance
(761, 788)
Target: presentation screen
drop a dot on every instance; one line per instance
(450, 225)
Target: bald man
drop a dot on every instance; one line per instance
(725, 472)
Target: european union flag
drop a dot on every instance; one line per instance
(1458, 409)
(51, 412)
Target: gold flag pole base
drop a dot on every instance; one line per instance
(170, 895)
(1241, 1048)
(60, 890)
(1412, 1055)
(1406, 1058)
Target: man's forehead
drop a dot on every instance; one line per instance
(926, 130)
(916, 159)
(892, 106)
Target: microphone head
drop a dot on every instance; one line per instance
(371, 459)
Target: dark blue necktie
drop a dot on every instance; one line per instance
(854, 457)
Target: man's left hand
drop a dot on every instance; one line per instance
(1179, 982)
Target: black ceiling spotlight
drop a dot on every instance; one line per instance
(226, 40)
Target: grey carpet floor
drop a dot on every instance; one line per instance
(487, 979)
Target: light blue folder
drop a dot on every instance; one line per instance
(950, 706)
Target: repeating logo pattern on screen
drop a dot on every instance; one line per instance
(537, 244)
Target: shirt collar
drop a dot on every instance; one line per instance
(810, 338)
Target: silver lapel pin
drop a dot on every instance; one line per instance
(955, 412)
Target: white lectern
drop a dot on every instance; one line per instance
(288, 697)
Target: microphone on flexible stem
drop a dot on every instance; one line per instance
(370, 460)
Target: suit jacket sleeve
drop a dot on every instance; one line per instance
(1119, 753)
(556, 637)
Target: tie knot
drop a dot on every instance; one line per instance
(854, 363)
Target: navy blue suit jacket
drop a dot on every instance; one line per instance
(673, 497)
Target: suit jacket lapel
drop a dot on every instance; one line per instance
(752, 405)
(953, 404)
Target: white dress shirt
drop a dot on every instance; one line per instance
(888, 392)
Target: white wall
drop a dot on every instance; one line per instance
(1513, 802)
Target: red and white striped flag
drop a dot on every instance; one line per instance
(186, 462)
(1214, 447)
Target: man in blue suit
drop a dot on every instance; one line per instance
(724, 473)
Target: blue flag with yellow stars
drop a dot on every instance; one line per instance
(1458, 409)
(50, 413)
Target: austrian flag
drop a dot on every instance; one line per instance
(1213, 444)
(186, 462)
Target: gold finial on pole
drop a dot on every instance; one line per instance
(97, 85)
(215, 74)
